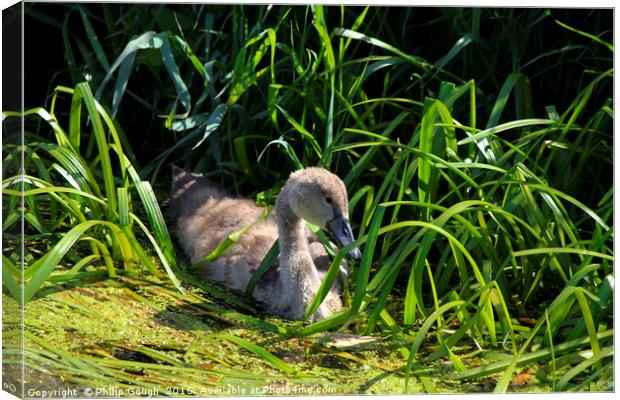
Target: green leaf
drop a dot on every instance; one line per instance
(94, 40)
(422, 332)
(363, 271)
(263, 354)
(454, 51)
(267, 263)
(381, 44)
(144, 41)
(46, 264)
(10, 279)
(289, 151)
(175, 74)
(588, 35)
(212, 123)
(528, 358)
(321, 27)
(102, 144)
(583, 366)
(304, 133)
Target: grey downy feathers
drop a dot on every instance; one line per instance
(206, 213)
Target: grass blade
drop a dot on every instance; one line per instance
(10, 279)
(262, 353)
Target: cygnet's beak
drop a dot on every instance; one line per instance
(340, 230)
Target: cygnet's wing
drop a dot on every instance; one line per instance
(206, 214)
(190, 190)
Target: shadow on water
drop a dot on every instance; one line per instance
(214, 317)
(210, 306)
(88, 280)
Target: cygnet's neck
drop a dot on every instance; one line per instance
(291, 228)
(298, 273)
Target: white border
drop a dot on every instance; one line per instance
(436, 3)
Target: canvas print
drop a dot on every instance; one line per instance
(212, 200)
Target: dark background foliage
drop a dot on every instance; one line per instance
(427, 32)
(504, 41)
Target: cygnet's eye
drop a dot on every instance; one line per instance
(328, 200)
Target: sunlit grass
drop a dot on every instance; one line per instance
(69, 191)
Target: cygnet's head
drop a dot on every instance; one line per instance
(320, 197)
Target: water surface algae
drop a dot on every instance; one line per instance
(135, 337)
